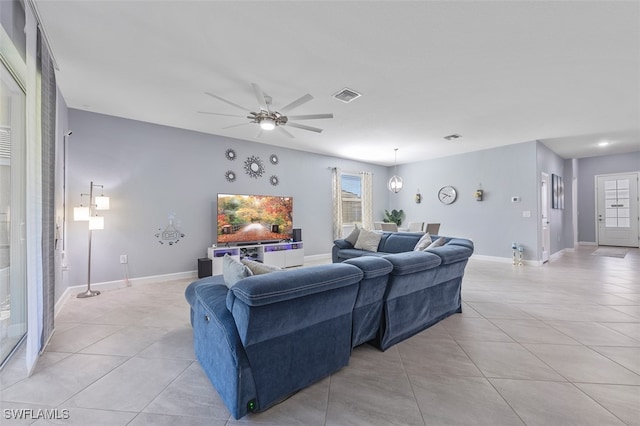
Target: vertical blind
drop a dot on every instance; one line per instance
(48, 129)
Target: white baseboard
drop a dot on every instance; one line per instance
(587, 243)
(491, 258)
(111, 285)
(504, 260)
(318, 258)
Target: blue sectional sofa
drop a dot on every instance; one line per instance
(273, 334)
(423, 287)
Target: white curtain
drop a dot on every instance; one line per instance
(336, 189)
(366, 180)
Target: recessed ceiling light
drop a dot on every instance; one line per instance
(605, 143)
(453, 137)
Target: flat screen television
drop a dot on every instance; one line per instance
(246, 219)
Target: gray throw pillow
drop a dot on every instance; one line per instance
(437, 243)
(233, 271)
(423, 242)
(368, 240)
(353, 236)
(258, 268)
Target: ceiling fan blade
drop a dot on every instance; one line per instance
(303, 127)
(219, 113)
(295, 104)
(309, 116)
(285, 131)
(227, 102)
(236, 125)
(262, 102)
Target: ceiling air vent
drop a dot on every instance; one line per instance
(453, 137)
(346, 95)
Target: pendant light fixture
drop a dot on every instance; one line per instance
(395, 183)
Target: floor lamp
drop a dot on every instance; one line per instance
(96, 222)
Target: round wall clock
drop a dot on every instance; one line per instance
(447, 194)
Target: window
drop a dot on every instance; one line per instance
(617, 203)
(13, 283)
(351, 198)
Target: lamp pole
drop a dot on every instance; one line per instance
(89, 292)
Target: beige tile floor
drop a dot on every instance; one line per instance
(551, 345)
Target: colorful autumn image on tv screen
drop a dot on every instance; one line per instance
(254, 218)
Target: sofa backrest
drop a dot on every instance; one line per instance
(398, 242)
(258, 300)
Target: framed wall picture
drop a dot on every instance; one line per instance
(557, 196)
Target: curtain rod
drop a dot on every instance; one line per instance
(349, 172)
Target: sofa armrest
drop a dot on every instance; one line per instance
(190, 291)
(343, 244)
(461, 242)
(451, 253)
(220, 351)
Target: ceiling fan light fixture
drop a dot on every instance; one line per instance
(267, 123)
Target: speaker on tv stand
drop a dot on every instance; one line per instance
(297, 235)
(205, 266)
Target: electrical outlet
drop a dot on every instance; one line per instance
(124, 258)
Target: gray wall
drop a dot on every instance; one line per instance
(551, 164)
(150, 171)
(494, 223)
(588, 168)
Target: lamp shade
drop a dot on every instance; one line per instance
(395, 184)
(102, 203)
(96, 222)
(81, 213)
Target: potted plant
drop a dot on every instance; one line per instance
(395, 216)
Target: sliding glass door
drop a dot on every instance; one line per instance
(13, 283)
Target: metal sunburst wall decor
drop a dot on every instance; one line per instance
(230, 175)
(254, 167)
(274, 180)
(230, 154)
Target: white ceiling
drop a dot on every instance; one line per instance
(496, 72)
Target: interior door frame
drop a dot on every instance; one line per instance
(545, 232)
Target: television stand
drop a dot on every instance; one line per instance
(284, 255)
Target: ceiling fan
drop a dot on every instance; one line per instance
(269, 119)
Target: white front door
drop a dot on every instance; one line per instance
(544, 217)
(617, 209)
